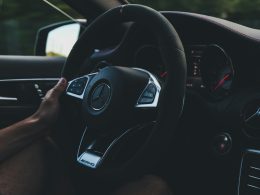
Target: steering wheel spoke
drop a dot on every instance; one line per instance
(95, 148)
(76, 87)
(149, 97)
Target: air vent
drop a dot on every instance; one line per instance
(251, 119)
(250, 173)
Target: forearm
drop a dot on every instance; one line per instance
(17, 136)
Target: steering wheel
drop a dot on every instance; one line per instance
(118, 104)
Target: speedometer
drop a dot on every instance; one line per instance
(217, 71)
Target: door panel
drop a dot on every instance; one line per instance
(24, 80)
(19, 67)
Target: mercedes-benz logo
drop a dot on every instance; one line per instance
(100, 96)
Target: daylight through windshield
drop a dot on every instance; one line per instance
(246, 12)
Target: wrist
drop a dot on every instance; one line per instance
(35, 120)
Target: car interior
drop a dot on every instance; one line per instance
(170, 93)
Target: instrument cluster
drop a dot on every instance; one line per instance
(210, 68)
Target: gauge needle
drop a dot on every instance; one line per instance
(222, 81)
(163, 74)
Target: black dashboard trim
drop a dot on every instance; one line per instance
(250, 33)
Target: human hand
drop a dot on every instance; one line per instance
(48, 111)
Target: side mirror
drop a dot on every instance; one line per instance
(57, 39)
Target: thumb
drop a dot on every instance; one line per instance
(60, 87)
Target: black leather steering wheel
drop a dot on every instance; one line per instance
(116, 102)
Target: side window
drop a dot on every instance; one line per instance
(21, 19)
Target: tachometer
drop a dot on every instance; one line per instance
(217, 71)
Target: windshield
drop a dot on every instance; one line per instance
(245, 12)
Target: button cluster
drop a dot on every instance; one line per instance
(77, 86)
(148, 95)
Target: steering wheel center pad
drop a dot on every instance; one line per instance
(111, 96)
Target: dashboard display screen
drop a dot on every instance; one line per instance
(194, 56)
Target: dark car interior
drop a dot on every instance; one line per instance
(185, 101)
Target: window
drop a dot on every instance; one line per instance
(245, 12)
(20, 21)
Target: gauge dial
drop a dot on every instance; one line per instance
(217, 71)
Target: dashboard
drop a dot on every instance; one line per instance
(223, 92)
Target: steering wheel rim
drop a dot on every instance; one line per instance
(173, 92)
